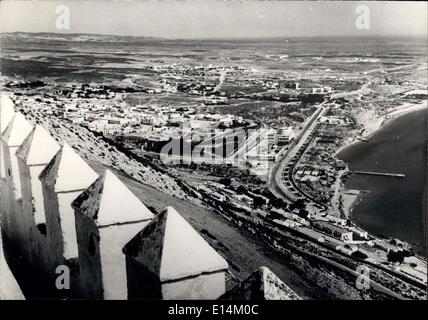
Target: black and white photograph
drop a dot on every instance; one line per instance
(216, 150)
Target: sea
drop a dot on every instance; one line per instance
(393, 207)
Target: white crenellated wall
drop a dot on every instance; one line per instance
(63, 179)
(173, 261)
(106, 225)
(9, 288)
(6, 115)
(14, 221)
(14, 135)
(7, 112)
(57, 210)
(34, 154)
(113, 261)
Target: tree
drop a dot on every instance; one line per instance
(359, 254)
(259, 201)
(395, 256)
(226, 181)
(298, 204)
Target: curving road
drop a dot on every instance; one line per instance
(276, 182)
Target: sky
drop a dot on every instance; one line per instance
(215, 19)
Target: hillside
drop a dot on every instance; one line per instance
(75, 37)
(157, 190)
(95, 149)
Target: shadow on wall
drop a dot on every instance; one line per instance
(59, 212)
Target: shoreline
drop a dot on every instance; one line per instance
(370, 128)
(373, 125)
(349, 198)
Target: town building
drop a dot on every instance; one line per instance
(340, 233)
(286, 134)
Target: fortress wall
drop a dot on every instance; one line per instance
(9, 288)
(39, 216)
(88, 239)
(205, 286)
(112, 240)
(8, 207)
(174, 261)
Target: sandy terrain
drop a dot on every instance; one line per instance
(372, 122)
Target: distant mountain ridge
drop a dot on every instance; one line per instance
(94, 37)
(77, 37)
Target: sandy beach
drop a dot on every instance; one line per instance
(371, 123)
(348, 200)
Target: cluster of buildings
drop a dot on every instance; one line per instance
(308, 173)
(152, 122)
(321, 90)
(116, 117)
(57, 211)
(317, 170)
(263, 147)
(207, 81)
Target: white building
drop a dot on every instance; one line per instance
(321, 90)
(286, 134)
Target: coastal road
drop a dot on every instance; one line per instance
(327, 259)
(373, 285)
(276, 182)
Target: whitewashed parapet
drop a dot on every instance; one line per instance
(9, 288)
(108, 215)
(168, 259)
(63, 179)
(109, 235)
(12, 220)
(262, 284)
(7, 113)
(34, 154)
(16, 132)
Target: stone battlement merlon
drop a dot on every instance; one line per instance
(56, 210)
(98, 217)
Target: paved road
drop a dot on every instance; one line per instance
(364, 89)
(276, 182)
(374, 285)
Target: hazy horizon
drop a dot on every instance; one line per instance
(374, 36)
(205, 20)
